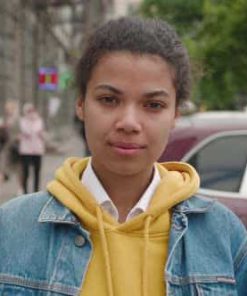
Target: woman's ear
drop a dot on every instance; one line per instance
(80, 108)
(177, 114)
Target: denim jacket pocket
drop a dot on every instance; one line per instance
(11, 285)
(216, 289)
(222, 287)
(11, 290)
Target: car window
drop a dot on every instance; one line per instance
(222, 162)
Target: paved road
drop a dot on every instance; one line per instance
(72, 146)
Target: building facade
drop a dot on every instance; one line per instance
(44, 33)
(48, 33)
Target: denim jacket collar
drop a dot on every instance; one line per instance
(54, 212)
(194, 205)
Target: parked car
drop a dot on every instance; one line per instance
(215, 143)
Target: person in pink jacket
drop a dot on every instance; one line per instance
(31, 145)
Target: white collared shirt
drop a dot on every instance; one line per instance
(94, 186)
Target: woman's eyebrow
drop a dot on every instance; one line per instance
(148, 94)
(156, 93)
(110, 88)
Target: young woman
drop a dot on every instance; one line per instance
(118, 223)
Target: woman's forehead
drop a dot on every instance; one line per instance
(134, 65)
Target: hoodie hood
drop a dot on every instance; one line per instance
(179, 181)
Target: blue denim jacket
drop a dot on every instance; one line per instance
(45, 251)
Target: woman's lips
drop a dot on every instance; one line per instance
(127, 148)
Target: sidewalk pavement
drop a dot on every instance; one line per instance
(71, 145)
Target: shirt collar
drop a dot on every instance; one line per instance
(94, 186)
(55, 212)
(143, 203)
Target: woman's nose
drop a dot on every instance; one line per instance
(129, 120)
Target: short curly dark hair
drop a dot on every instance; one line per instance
(138, 36)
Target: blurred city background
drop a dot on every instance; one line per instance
(42, 40)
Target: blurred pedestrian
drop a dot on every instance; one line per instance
(3, 141)
(31, 146)
(9, 155)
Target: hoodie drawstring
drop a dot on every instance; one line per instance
(107, 256)
(105, 252)
(145, 257)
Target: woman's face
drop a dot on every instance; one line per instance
(128, 110)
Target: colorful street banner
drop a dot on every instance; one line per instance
(48, 78)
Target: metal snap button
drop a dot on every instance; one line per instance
(79, 241)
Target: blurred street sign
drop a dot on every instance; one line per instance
(48, 78)
(65, 79)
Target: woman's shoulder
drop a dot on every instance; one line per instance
(218, 221)
(19, 208)
(209, 213)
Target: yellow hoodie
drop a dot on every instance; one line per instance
(128, 258)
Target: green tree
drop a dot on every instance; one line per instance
(215, 34)
(185, 15)
(222, 47)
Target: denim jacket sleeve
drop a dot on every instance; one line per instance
(241, 270)
(207, 250)
(238, 236)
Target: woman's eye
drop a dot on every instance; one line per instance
(154, 106)
(108, 100)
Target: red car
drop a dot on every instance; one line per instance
(215, 143)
